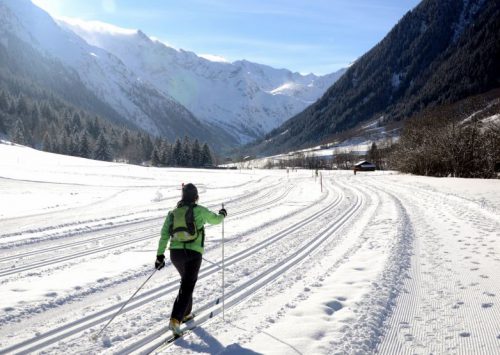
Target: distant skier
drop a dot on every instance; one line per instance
(184, 227)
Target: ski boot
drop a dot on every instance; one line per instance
(188, 318)
(175, 327)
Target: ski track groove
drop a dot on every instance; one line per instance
(413, 333)
(58, 302)
(241, 197)
(116, 234)
(334, 244)
(378, 304)
(256, 283)
(52, 261)
(140, 299)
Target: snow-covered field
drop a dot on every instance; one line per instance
(377, 262)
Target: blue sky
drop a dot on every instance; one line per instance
(319, 36)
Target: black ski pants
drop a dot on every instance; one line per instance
(187, 262)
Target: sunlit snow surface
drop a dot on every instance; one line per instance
(374, 262)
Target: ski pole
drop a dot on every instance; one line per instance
(223, 315)
(100, 332)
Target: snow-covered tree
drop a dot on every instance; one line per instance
(101, 150)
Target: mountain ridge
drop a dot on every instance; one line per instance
(438, 53)
(247, 98)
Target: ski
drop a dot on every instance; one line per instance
(171, 339)
(189, 324)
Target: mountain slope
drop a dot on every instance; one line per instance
(440, 52)
(244, 98)
(135, 101)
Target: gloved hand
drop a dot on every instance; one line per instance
(223, 212)
(160, 262)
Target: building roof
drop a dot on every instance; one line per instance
(365, 163)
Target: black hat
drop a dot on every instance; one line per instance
(189, 193)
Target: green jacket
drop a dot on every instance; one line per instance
(202, 215)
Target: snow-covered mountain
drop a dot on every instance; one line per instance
(136, 100)
(162, 90)
(246, 98)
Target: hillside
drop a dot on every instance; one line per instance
(25, 26)
(243, 98)
(439, 53)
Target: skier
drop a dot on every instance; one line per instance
(184, 226)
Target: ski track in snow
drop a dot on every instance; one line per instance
(376, 263)
(459, 252)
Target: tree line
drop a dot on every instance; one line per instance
(49, 124)
(431, 147)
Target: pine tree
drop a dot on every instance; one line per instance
(125, 140)
(3, 122)
(373, 154)
(4, 102)
(84, 149)
(64, 144)
(22, 106)
(186, 152)
(34, 119)
(206, 156)
(76, 123)
(46, 143)
(101, 151)
(155, 159)
(177, 153)
(147, 147)
(18, 133)
(164, 153)
(196, 154)
(94, 128)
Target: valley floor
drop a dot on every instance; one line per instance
(373, 263)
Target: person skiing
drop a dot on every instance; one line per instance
(184, 228)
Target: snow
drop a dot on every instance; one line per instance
(214, 58)
(377, 261)
(396, 80)
(246, 98)
(98, 26)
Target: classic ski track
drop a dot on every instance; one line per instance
(52, 261)
(334, 244)
(461, 201)
(125, 228)
(240, 197)
(87, 322)
(409, 338)
(378, 304)
(55, 303)
(46, 215)
(380, 308)
(249, 287)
